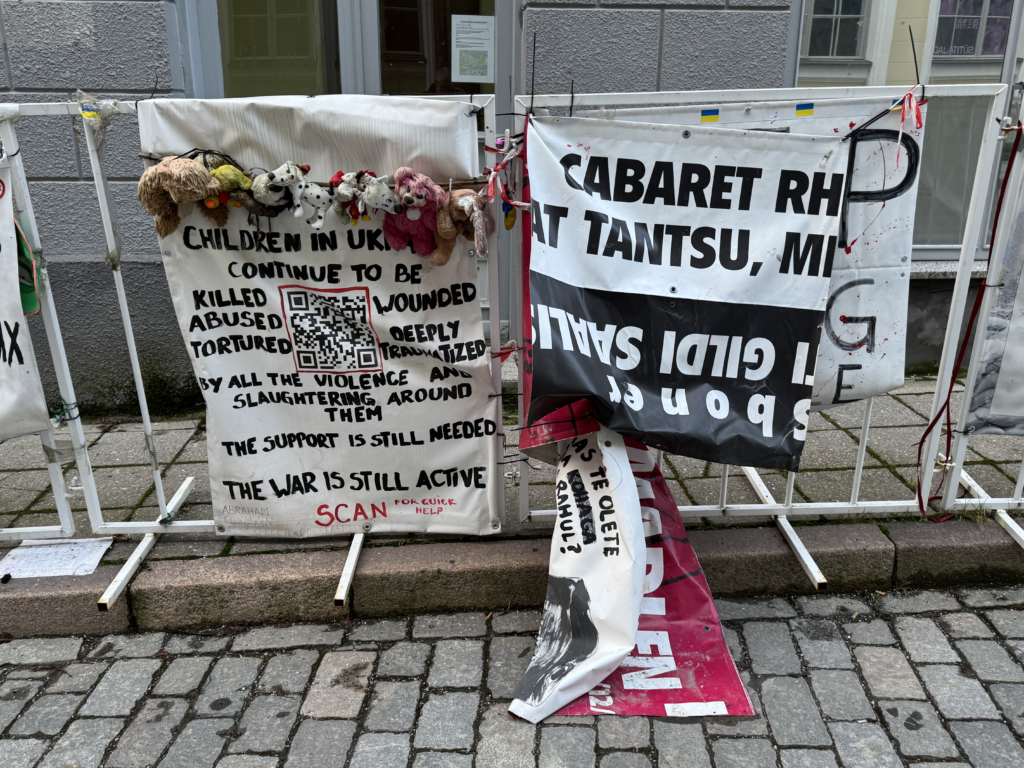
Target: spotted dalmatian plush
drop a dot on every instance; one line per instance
(317, 197)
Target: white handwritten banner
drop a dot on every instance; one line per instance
(678, 279)
(346, 384)
(863, 346)
(22, 404)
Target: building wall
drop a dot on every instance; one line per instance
(632, 45)
(117, 50)
(909, 14)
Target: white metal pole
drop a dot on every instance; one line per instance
(114, 257)
(128, 570)
(723, 491)
(494, 313)
(348, 573)
(862, 449)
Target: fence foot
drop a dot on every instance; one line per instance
(349, 571)
(127, 571)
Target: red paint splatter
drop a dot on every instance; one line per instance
(842, 318)
(836, 130)
(852, 123)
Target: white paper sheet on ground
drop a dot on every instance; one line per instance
(54, 557)
(22, 404)
(330, 133)
(595, 577)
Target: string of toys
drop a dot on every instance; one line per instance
(418, 213)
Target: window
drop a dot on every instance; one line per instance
(835, 28)
(277, 47)
(972, 27)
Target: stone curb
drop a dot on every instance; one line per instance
(492, 575)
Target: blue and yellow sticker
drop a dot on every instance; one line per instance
(709, 115)
(804, 110)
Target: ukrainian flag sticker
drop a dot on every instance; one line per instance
(709, 115)
(804, 110)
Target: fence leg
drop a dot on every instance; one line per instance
(1018, 487)
(127, 571)
(1008, 523)
(861, 451)
(349, 571)
(724, 490)
(786, 529)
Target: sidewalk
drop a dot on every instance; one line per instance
(861, 681)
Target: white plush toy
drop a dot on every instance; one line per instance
(377, 195)
(320, 198)
(271, 188)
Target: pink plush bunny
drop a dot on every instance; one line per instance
(420, 198)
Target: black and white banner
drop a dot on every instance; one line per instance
(863, 346)
(22, 403)
(678, 280)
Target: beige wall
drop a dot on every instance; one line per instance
(909, 14)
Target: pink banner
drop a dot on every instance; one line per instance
(681, 665)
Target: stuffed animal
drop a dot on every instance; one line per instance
(171, 181)
(347, 188)
(319, 198)
(466, 214)
(275, 188)
(420, 199)
(377, 195)
(231, 178)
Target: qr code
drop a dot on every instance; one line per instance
(331, 331)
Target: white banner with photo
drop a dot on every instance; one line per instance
(22, 403)
(864, 336)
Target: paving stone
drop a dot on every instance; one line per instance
(83, 744)
(744, 753)
(30, 674)
(149, 734)
(793, 715)
(887, 673)
(42, 650)
(625, 760)
(451, 625)
(875, 632)
(989, 744)
(842, 607)
(393, 707)
(917, 730)
(266, 724)
(288, 672)
(509, 657)
(864, 745)
(47, 716)
(840, 694)
(457, 664)
(821, 644)
(247, 761)
(21, 753)
(917, 602)
(183, 645)
(956, 696)
(446, 721)
(227, 687)
(748, 725)
(340, 685)
(442, 760)
(128, 646)
(14, 695)
(807, 758)
(962, 625)
(505, 741)
(1010, 699)
(623, 732)
(516, 621)
(566, 747)
(182, 676)
(680, 746)
(198, 745)
(992, 598)
(924, 641)
(118, 691)
(404, 660)
(990, 661)
(320, 743)
(1007, 623)
(273, 638)
(381, 750)
(386, 630)
(740, 610)
(77, 678)
(771, 648)
(732, 639)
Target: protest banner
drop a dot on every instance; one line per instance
(678, 279)
(22, 403)
(863, 348)
(348, 385)
(595, 577)
(680, 665)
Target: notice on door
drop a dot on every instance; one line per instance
(472, 49)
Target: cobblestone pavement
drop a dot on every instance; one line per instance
(860, 681)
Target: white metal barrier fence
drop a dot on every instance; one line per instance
(997, 98)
